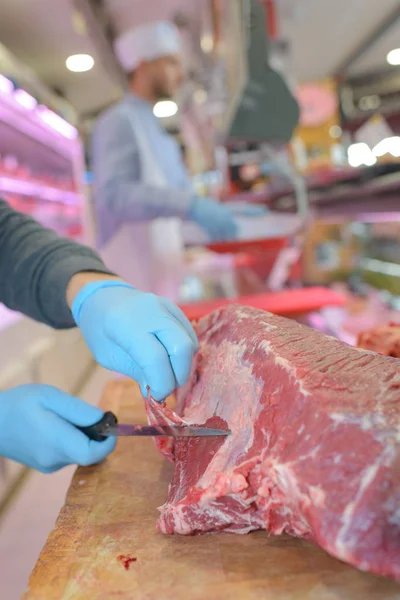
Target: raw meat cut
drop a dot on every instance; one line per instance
(385, 340)
(161, 414)
(315, 445)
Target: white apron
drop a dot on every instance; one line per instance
(148, 255)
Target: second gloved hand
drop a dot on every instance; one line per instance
(38, 429)
(141, 335)
(215, 218)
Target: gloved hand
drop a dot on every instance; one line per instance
(141, 335)
(215, 218)
(37, 429)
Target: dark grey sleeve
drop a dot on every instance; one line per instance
(36, 266)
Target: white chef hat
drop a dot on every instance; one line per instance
(147, 42)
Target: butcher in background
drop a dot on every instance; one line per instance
(142, 189)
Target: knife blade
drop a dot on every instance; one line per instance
(109, 426)
(163, 430)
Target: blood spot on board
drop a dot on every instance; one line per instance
(126, 560)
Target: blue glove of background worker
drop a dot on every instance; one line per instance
(215, 218)
(37, 429)
(141, 335)
(246, 209)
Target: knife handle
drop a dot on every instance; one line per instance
(97, 431)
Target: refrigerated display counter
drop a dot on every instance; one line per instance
(41, 166)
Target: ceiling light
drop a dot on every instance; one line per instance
(369, 102)
(335, 132)
(80, 63)
(360, 154)
(393, 57)
(390, 145)
(165, 109)
(24, 99)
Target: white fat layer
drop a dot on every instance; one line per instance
(280, 483)
(344, 543)
(394, 518)
(365, 422)
(241, 415)
(183, 521)
(285, 364)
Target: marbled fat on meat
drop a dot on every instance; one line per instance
(315, 444)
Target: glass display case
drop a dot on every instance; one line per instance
(41, 174)
(41, 166)
(41, 162)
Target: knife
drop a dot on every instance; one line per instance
(109, 426)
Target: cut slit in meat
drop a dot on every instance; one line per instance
(315, 445)
(161, 414)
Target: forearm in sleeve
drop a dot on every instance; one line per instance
(134, 201)
(36, 266)
(118, 181)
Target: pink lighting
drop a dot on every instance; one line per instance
(383, 217)
(6, 86)
(56, 123)
(24, 99)
(20, 98)
(12, 185)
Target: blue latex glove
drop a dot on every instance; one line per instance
(141, 335)
(37, 429)
(246, 209)
(215, 218)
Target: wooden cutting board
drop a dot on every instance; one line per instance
(110, 515)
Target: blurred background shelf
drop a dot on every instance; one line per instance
(28, 124)
(11, 185)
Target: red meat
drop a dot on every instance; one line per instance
(385, 340)
(315, 445)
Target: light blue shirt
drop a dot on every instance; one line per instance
(120, 195)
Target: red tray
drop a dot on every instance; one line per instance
(286, 303)
(251, 246)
